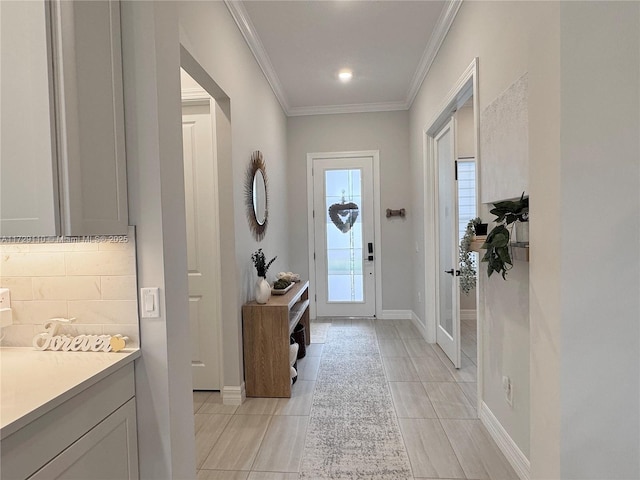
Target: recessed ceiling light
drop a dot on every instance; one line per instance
(345, 75)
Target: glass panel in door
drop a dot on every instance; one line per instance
(343, 202)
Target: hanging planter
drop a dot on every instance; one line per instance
(497, 244)
(470, 243)
(344, 215)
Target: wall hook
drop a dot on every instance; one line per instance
(396, 213)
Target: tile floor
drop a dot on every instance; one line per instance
(263, 439)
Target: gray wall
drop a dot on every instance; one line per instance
(583, 66)
(576, 317)
(151, 61)
(152, 34)
(499, 34)
(600, 310)
(384, 131)
(585, 338)
(209, 33)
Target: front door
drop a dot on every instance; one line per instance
(448, 294)
(202, 245)
(344, 237)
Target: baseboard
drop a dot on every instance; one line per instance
(233, 394)
(421, 328)
(507, 446)
(397, 314)
(468, 314)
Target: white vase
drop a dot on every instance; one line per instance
(522, 232)
(263, 290)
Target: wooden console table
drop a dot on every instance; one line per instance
(266, 329)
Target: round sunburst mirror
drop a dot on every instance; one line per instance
(256, 197)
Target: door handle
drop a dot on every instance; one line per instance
(369, 258)
(451, 272)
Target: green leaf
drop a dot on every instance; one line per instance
(504, 255)
(500, 240)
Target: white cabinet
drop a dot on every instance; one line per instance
(107, 451)
(28, 178)
(90, 436)
(62, 169)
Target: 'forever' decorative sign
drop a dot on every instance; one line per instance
(82, 343)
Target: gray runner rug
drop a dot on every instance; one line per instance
(353, 431)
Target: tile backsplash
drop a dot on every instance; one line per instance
(92, 279)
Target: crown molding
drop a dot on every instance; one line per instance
(241, 17)
(447, 16)
(351, 108)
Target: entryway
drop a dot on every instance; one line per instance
(203, 239)
(344, 207)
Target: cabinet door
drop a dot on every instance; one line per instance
(90, 116)
(108, 451)
(28, 181)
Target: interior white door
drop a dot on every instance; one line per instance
(448, 294)
(344, 237)
(202, 245)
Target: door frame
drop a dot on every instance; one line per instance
(192, 97)
(465, 87)
(377, 235)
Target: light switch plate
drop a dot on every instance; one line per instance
(150, 302)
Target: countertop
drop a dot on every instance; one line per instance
(34, 382)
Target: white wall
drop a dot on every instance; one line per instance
(546, 255)
(577, 314)
(209, 33)
(151, 59)
(500, 35)
(384, 131)
(584, 311)
(465, 132)
(600, 178)
(152, 34)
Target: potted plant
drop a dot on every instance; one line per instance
(466, 259)
(497, 243)
(263, 290)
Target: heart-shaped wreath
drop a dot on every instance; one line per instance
(343, 215)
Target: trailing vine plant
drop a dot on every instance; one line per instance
(467, 261)
(497, 243)
(497, 255)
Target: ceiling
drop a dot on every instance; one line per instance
(302, 45)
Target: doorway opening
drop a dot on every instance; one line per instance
(344, 234)
(229, 332)
(203, 232)
(467, 208)
(448, 159)
(203, 245)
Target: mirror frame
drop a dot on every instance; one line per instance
(257, 164)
